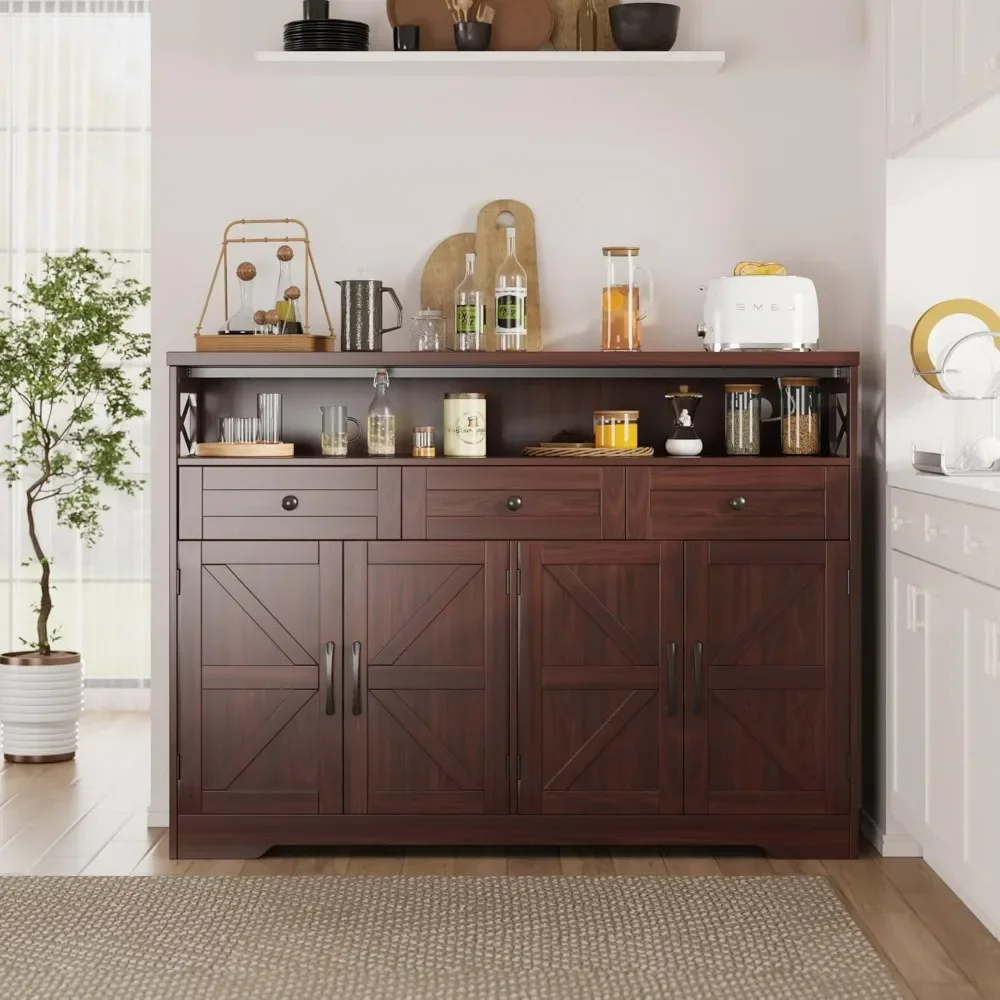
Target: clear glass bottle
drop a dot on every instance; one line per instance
(285, 304)
(470, 310)
(381, 419)
(511, 302)
(743, 419)
(586, 26)
(242, 321)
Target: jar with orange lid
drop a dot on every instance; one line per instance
(616, 428)
(623, 303)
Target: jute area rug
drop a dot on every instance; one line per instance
(367, 938)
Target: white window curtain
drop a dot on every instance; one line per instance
(74, 171)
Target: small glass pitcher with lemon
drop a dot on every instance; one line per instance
(626, 300)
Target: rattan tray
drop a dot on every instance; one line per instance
(584, 451)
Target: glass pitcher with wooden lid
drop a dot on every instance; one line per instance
(624, 303)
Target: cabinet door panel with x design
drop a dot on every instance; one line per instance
(767, 699)
(600, 682)
(426, 675)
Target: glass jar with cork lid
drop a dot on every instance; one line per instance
(800, 406)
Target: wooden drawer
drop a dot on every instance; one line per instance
(955, 535)
(738, 503)
(578, 502)
(289, 503)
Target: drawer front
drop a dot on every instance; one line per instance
(739, 503)
(289, 503)
(514, 503)
(948, 533)
(717, 514)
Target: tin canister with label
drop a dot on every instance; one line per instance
(465, 424)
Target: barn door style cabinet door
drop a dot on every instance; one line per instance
(427, 677)
(767, 684)
(600, 687)
(260, 629)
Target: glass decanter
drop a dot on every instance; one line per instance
(381, 419)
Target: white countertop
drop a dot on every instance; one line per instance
(983, 491)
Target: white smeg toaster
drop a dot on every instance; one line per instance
(761, 312)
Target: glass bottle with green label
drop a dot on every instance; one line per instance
(470, 311)
(511, 302)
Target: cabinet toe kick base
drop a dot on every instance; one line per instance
(826, 837)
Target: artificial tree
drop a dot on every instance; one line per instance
(63, 339)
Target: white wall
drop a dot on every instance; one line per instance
(943, 217)
(765, 161)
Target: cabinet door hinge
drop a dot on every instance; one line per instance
(508, 583)
(518, 767)
(178, 582)
(178, 769)
(848, 767)
(848, 583)
(519, 585)
(506, 767)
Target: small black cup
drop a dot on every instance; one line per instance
(472, 36)
(316, 10)
(406, 37)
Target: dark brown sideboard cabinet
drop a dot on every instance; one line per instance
(639, 651)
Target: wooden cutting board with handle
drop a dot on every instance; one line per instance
(564, 32)
(444, 269)
(491, 250)
(519, 25)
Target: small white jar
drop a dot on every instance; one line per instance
(465, 424)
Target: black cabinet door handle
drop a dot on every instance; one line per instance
(514, 503)
(672, 678)
(697, 678)
(356, 676)
(290, 503)
(331, 705)
(738, 503)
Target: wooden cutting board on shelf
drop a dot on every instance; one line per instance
(564, 32)
(491, 249)
(444, 269)
(519, 25)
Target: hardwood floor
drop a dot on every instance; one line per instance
(89, 818)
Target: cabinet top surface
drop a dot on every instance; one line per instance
(554, 360)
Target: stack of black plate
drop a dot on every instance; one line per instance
(329, 35)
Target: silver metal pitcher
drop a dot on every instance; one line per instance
(361, 314)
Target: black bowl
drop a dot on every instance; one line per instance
(644, 27)
(472, 36)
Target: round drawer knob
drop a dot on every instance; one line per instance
(738, 503)
(290, 503)
(514, 503)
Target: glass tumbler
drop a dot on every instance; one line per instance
(336, 431)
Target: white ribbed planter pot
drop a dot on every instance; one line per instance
(40, 702)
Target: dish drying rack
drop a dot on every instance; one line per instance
(994, 390)
(933, 462)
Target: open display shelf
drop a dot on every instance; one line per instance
(491, 63)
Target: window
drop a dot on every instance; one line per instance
(74, 171)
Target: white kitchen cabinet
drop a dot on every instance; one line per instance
(944, 693)
(977, 50)
(943, 60)
(921, 67)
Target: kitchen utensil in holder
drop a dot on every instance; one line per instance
(299, 236)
